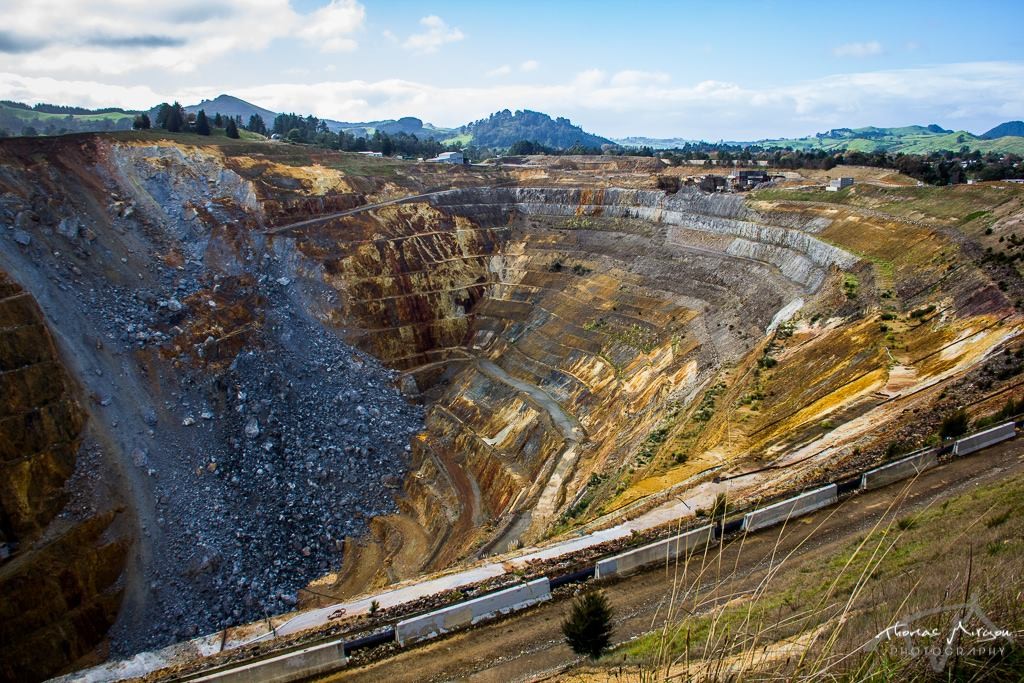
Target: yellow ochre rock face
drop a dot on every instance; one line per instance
(657, 351)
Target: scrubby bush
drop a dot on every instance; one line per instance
(588, 628)
(954, 425)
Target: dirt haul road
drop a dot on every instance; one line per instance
(528, 646)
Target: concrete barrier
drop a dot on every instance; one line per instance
(793, 507)
(470, 612)
(659, 551)
(292, 666)
(984, 439)
(904, 468)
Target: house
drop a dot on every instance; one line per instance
(713, 183)
(837, 184)
(372, 154)
(448, 158)
(744, 180)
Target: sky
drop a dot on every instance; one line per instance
(701, 70)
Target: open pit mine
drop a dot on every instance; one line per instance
(240, 380)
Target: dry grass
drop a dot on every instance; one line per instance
(804, 619)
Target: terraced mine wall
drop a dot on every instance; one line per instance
(57, 576)
(40, 422)
(604, 301)
(798, 254)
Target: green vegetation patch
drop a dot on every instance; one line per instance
(903, 566)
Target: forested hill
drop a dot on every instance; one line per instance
(17, 118)
(1014, 128)
(229, 106)
(502, 129)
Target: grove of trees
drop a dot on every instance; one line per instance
(314, 131)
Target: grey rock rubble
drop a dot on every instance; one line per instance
(244, 481)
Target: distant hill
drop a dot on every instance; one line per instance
(1014, 128)
(407, 124)
(906, 139)
(655, 143)
(17, 118)
(229, 106)
(504, 128)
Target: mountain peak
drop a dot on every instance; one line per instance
(1015, 128)
(229, 105)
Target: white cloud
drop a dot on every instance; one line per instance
(591, 78)
(329, 27)
(869, 49)
(631, 77)
(503, 70)
(974, 96)
(85, 93)
(117, 37)
(437, 33)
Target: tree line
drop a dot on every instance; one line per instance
(314, 131)
(937, 168)
(295, 128)
(174, 119)
(66, 110)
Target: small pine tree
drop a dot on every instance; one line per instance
(588, 628)
(218, 120)
(162, 112)
(202, 123)
(141, 122)
(256, 124)
(175, 118)
(232, 129)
